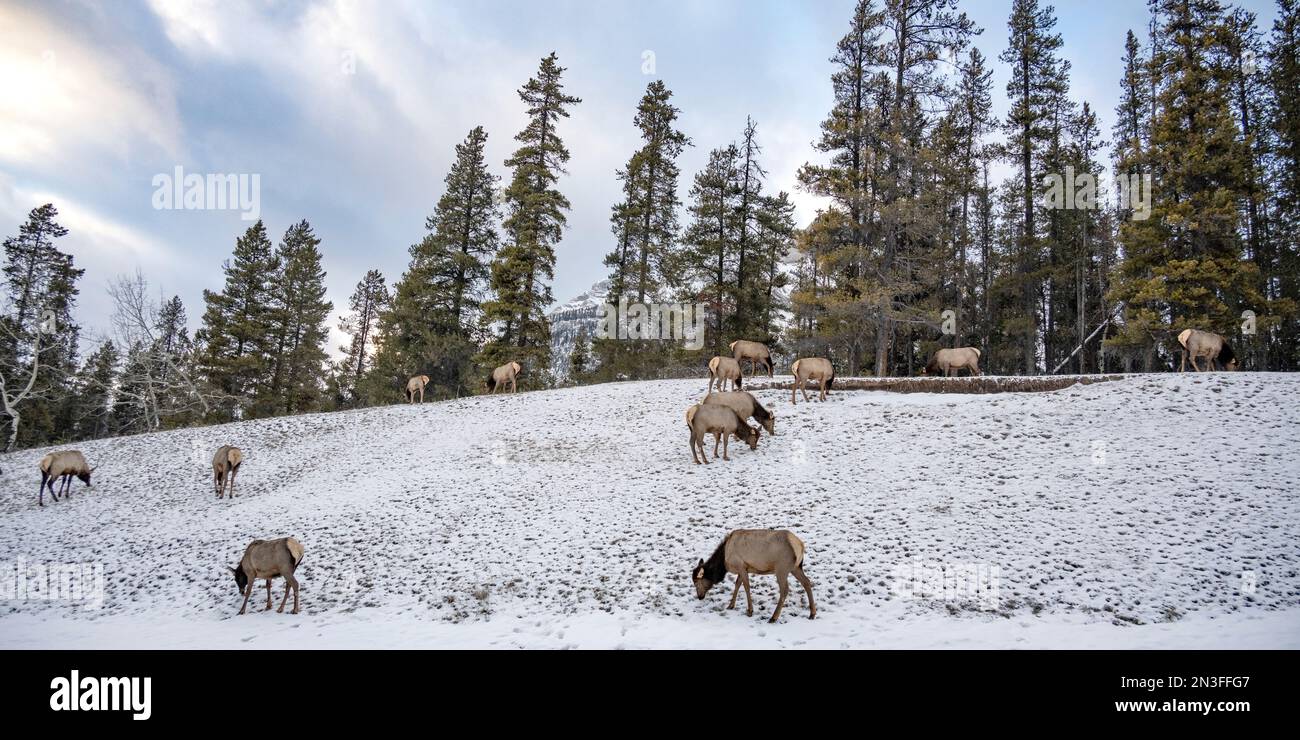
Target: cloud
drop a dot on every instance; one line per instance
(65, 101)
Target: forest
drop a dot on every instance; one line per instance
(1054, 268)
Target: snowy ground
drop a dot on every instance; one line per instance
(1155, 511)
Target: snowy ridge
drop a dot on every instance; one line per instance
(1156, 511)
(568, 321)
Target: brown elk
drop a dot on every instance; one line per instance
(811, 368)
(722, 369)
(225, 464)
(63, 465)
(1213, 347)
(722, 423)
(743, 349)
(760, 552)
(744, 403)
(950, 362)
(416, 385)
(502, 375)
(268, 559)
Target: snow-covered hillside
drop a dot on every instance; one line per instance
(1154, 511)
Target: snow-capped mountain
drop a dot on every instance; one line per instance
(568, 320)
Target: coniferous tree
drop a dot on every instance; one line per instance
(235, 333)
(1283, 286)
(1036, 88)
(711, 239)
(296, 326)
(93, 399)
(369, 299)
(1183, 267)
(38, 337)
(534, 225)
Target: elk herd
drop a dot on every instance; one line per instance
(723, 415)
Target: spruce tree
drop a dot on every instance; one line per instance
(1035, 89)
(369, 299)
(534, 224)
(236, 322)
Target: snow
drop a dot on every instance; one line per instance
(1157, 511)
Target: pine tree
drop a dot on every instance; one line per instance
(1183, 266)
(295, 326)
(463, 232)
(534, 225)
(711, 239)
(369, 299)
(1283, 287)
(236, 323)
(94, 386)
(646, 220)
(1035, 89)
(37, 332)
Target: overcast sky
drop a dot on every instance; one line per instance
(349, 112)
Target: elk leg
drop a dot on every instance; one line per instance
(289, 583)
(734, 593)
(782, 582)
(1194, 367)
(807, 588)
(725, 439)
(248, 591)
(803, 386)
(749, 600)
(216, 483)
(268, 594)
(513, 387)
(1182, 365)
(794, 385)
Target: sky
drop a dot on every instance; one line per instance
(348, 113)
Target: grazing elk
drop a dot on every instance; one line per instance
(225, 464)
(744, 404)
(811, 368)
(268, 559)
(743, 349)
(760, 552)
(721, 422)
(1211, 346)
(950, 362)
(416, 385)
(722, 369)
(63, 465)
(502, 375)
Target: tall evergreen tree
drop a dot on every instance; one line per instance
(534, 225)
(369, 299)
(1035, 89)
(296, 326)
(236, 323)
(37, 331)
(1283, 287)
(1183, 266)
(93, 399)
